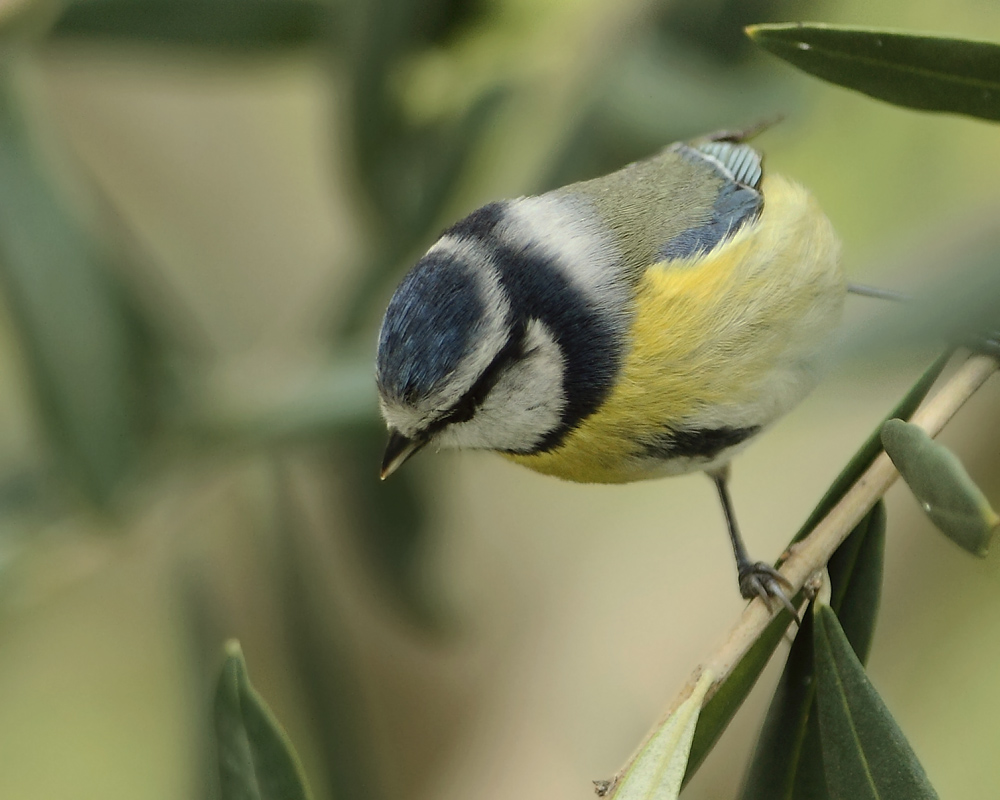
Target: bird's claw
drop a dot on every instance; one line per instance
(764, 581)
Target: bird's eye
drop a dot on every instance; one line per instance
(462, 411)
(467, 405)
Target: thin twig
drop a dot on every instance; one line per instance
(813, 552)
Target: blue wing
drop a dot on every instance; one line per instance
(739, 200)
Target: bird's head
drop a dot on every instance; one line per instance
(459, 365)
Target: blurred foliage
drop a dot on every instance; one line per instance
(132, 405)
(219, 25)
(316, 639)
(406, 170)
(632, 110)
(393, 514)
(256, 761)
(85, 358)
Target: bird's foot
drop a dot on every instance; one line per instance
(764, 581)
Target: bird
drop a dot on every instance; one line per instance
(647, 323)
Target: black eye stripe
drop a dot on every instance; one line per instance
(467, 405)
(539, 287)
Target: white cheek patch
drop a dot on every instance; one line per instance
(570, 232)
(526, 404)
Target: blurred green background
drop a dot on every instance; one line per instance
(203, 210)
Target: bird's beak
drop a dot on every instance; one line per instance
(397, 450)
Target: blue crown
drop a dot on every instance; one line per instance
(428, 328)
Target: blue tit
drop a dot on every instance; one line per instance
(646, 323)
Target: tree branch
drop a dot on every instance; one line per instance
(812, 553)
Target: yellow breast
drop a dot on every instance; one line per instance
(731, 339)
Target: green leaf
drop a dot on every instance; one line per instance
(247, 25)
(785, 763)
(864, 752)
(25, 20)
(942, 486)
(70, 318)
(929, 73)
(863, 459)
(658, 771)
(428, 165)
(319, 645)
(788, 761)
(256, 760)
(442, 153)
(730, 694)
(335, 398)
(855, 572)
(391, 521)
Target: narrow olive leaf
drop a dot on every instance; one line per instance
(942, 486)
(391, 521)
(256, 760)
(858, 606)
(250, 25)
(319, 647)
(929, 73)
(788, 761)
(377, 34)
(865, 754)
(730, 694)
(658, 771)
(856, 580)
(25, 20)
(69, 318)
(332, 400)
(867, 453)
(444, 152)
(781, 750)
(435, 162)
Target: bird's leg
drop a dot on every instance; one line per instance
(757, 579)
